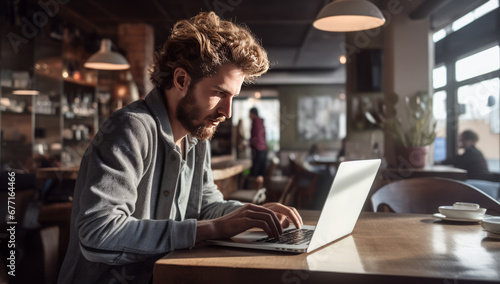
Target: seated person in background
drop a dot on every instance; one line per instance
(145, 184)
(472, 159)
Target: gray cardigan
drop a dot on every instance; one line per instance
(124, 208)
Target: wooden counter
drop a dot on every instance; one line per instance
(227, 169)
(57, 173)
(227, 173)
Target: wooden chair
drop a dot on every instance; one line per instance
(259, 189)
(287, 196)
(299, 191)
(425, 195)
(274, 184)
(255, 193)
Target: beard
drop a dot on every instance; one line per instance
(189, 115)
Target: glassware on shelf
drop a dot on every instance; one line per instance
(44, 105)
(65, 109)
(81, 105)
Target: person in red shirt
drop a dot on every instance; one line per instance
(258, 144)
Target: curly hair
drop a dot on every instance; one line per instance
(202, 44)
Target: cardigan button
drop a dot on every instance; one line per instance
(166, 193)
(172, 157)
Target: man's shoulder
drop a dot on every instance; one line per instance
(137, 109)
(134, 116)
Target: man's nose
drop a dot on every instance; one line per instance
(225, 107)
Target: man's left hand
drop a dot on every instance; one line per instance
(285, 214)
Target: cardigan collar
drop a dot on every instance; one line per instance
(157, 105)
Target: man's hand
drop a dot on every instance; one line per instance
(285, 214)
(271, 217)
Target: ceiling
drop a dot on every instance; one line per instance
(284, 27)
(298, 52)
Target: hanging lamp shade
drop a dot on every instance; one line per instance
(26, 92)
(24, 84)
(105, 59)
(349, 16)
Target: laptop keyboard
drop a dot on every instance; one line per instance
(290, 236)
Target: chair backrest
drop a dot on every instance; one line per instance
(270, 170)
(288, 194)
(258, 182)
(425, 195)
(303, 185)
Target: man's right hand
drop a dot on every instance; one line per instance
(247, 217)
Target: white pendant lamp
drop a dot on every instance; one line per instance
(349, 16)
(26, 92)
(105, 59)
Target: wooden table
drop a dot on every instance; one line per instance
(57, 173)
(384, 248)
(58, 214)
(332, 163)
(428, 171)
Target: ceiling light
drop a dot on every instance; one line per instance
(26, 92)
(349, 16)
(105, 59)
(342, 59)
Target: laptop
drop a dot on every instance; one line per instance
(339, 215)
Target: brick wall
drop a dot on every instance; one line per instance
(138, 42)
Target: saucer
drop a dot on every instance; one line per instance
(493, 235)
(443, 217)
(491, 224)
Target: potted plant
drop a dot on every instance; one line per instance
(412, 131)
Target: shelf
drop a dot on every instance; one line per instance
(74, 141)
(48, 115)
(15, 88)
(14, 143)
(15, 113)
(79, 82)
(80, 117)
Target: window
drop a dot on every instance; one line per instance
(479, 112)
(439, 35)
(478, 64)
(439, 106)
(440, 114)
(466, 19)
(474, 15)
(466, 83)
(439, 77)
(269, 110)
(477, 101)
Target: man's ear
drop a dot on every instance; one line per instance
(181, 79)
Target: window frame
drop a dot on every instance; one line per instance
(479, 35)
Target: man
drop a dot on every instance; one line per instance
(472, 159)
(258, 144)
(145, 185)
